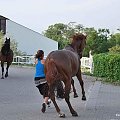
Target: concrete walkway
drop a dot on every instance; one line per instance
(20, 100)
(103, 102)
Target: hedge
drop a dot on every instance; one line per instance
(108, 66)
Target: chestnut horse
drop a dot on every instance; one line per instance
(63, 65)
(6, 55)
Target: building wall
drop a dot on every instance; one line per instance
(28, 40)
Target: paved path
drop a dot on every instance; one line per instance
(20, 99)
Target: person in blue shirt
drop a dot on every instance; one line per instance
(40, 80)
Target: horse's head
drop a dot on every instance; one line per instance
(7, 41)
(6, 47)
(78, 43)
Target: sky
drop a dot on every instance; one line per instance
(39, 14)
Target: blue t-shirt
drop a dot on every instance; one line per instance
(39, 69)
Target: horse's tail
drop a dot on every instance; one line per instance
(51, 70)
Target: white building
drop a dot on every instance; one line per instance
(28, 40)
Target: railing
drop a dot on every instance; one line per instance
(86, 62)
(19, 60)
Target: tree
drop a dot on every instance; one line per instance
(13, 46)
(114, 43)
(61, 33)
(90, 42)
(101, 43)
(97, 40)
(114, 40)
(1, 39)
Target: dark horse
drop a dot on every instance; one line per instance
(6, 55)
(63, 65)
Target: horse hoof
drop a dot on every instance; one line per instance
(2, 77)
(62, 115)
(75, 95)
(6, 75)
(75, 114)
(84, 98)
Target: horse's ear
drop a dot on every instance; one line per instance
(85, 35)
(9, 39)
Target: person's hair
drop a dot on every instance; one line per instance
(40, 54)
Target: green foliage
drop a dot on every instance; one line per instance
(97, 40)
(114, 40)
(62, 32)
(91, 37)
(108, 66)
(1, 39)
(58, 32)
(13, 46)
(115, 49)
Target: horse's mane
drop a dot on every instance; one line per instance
(78, 36)
(5, 50)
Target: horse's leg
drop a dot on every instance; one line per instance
(6, 74)
(2, 65)
(67, 97)
(60, 89)
(74, 90)
(52, 96)
(79, 76)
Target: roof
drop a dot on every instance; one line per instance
(2, 17)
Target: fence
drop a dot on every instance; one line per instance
(86, 62)
(19, 60)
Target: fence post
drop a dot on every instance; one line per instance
(91, 62)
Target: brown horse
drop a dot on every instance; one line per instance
(6, 55)
(63, 65)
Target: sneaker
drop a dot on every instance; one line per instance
(43, 107)
(48, 104)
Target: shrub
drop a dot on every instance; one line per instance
(108, 66)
